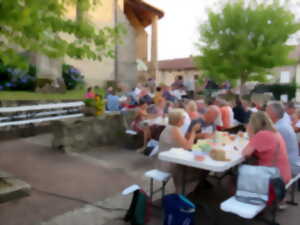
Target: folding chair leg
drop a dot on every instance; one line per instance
(151, 189)
(163, 189)
(292, 201)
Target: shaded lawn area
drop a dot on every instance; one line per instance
(33, 96)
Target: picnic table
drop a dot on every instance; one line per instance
(187, 158)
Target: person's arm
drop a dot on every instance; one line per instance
(248, 150)
(186, 143)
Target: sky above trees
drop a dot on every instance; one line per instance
(178, 29)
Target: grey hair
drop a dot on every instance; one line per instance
(278, 109)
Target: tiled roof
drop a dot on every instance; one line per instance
(177, 64)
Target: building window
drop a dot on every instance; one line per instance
(285, 77)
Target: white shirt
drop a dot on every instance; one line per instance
(287, 118)
(186, 124)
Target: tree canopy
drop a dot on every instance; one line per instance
(39, 26)
(244, 42)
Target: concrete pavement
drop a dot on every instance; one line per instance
(97, 177)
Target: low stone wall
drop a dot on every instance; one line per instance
(83, 134)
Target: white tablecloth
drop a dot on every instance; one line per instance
(184, 157)
(157, 121)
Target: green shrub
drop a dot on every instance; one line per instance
(13, 78)
(72, 77)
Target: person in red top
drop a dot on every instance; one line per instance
(267, 144)
(89, 94)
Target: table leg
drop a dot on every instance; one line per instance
(183, 180)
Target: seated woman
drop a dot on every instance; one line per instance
(138, 125)
(267, 144)
(172, 137)
(191, 109)
(89, 94)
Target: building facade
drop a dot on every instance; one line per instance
(135, 16)
(170, 69)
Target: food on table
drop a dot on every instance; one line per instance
(199, 157)
(202, 145)
(218, 155)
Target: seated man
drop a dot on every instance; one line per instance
(207, 122)
(113, 103)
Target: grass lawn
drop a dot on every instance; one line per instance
(32, 96)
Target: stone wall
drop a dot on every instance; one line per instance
(81, 135)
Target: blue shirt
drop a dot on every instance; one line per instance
(290, 138)
(113, 103)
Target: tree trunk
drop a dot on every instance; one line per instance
(242, 87)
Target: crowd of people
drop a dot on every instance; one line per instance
(272, 127)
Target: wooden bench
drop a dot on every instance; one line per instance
(34, 114)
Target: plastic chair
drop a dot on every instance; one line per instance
(250, 211)
(160, 176)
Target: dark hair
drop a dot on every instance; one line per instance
(180, 77)
(89, 89)
(158, 89)
(142, 102)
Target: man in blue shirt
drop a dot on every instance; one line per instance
(276, 113)
(113, 103)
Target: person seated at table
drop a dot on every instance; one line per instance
(191, 109)
(275, 110)
(172, 137)
(113, 102)
(158, 95)
(167, 94)
(89, 94)
(145, 97)
(207, 123)
(138, 124)
(289, 115)
(226, 112)
(267, 145)
(241, 111)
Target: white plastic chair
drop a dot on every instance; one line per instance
(250, 211)
(160, 176)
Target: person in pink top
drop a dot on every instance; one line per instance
(89, 93)
(267, 145)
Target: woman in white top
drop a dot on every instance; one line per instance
(172, 137)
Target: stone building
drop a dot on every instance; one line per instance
(135, 15)
(170, 69)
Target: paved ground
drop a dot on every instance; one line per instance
(98, 177)
(34, 162)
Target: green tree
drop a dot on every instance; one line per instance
(40, 25)
(242, 43)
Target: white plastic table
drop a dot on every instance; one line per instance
(186, 158)
(157, 121)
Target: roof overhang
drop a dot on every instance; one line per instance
(143, 11)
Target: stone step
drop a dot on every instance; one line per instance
(12, 188)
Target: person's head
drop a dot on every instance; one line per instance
(275, 110)
(89, 89)
(290, 108)
(176, 117)
(211, 114)
(158, 89)
(260, 121)
(196, 77)
(191, 106)
(180, 78)
(143, 104)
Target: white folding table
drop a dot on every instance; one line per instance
(186, 158)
